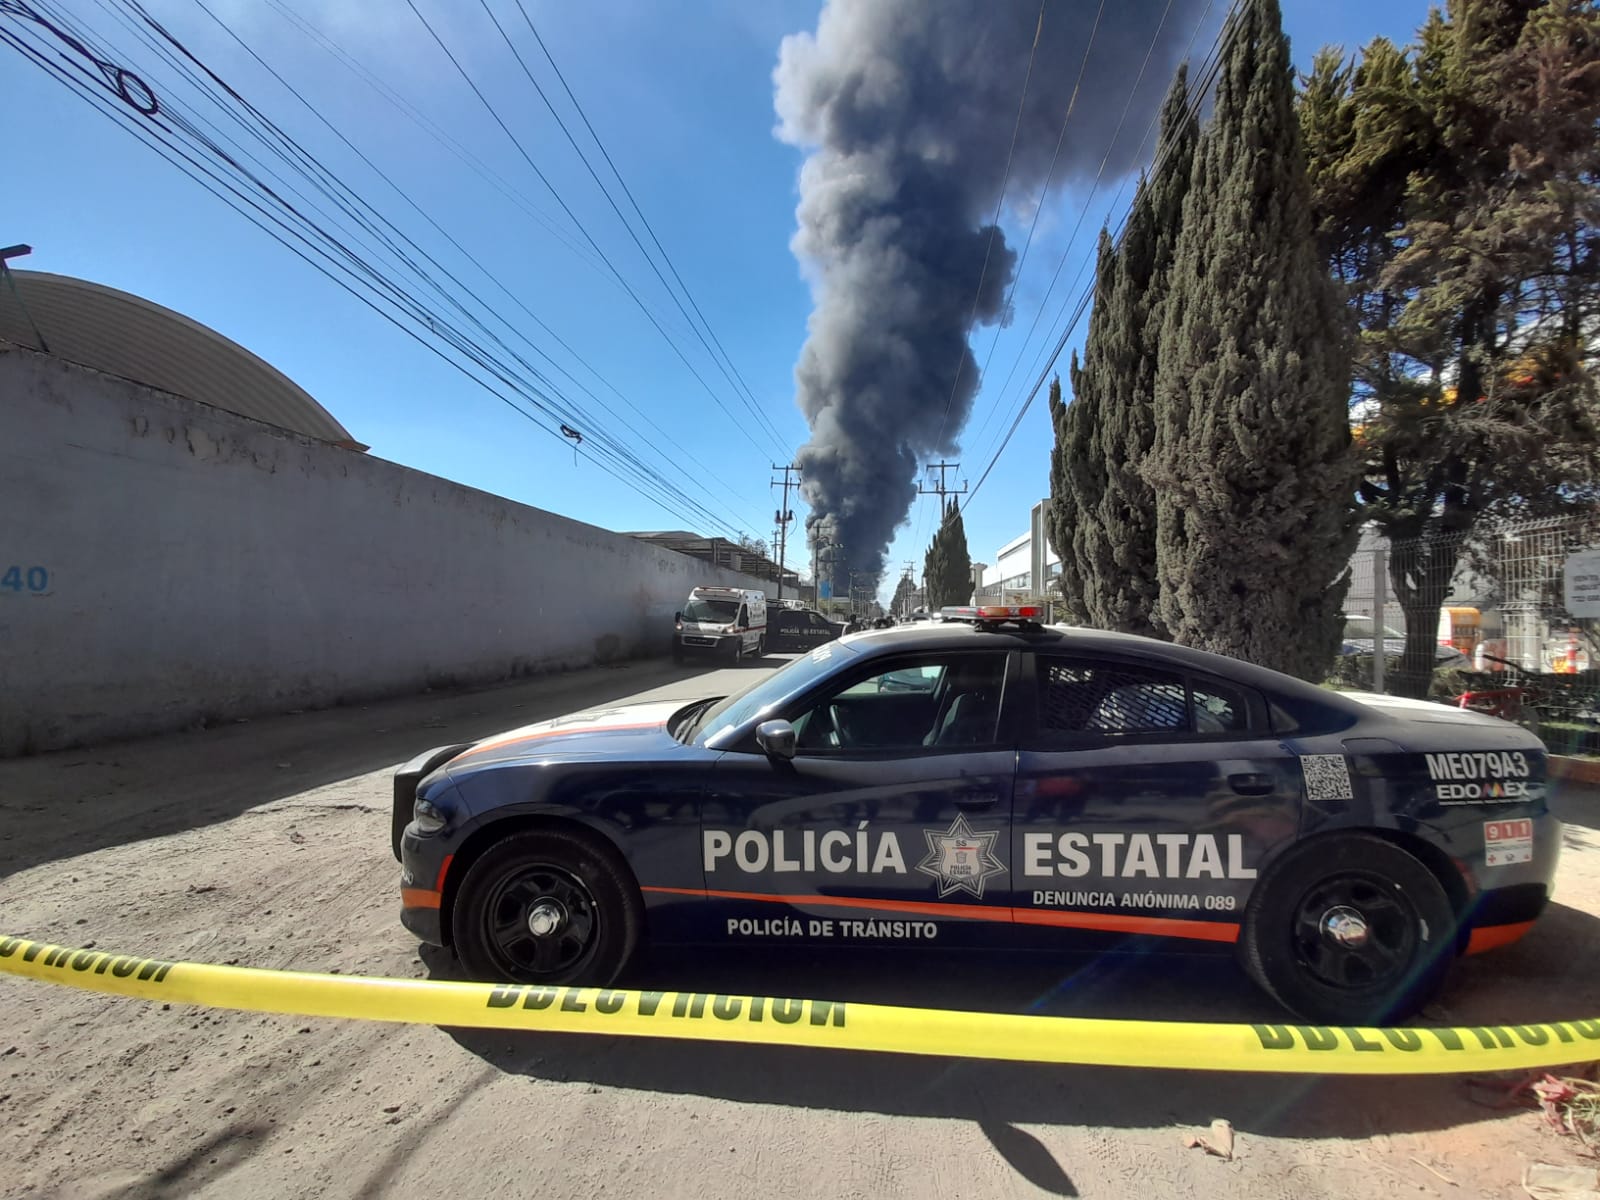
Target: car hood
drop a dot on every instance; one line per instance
(619, 731)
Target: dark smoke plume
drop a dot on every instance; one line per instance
(908, 108)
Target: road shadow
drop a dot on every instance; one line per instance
(71, 802)
(1576, 803)
(1147, 983)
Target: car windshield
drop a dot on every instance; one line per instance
(717, 612)
(765, 694)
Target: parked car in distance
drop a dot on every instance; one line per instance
(1360, 633)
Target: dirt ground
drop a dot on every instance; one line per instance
(267, 844)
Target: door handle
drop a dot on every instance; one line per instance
(1251, 784)
(970, 801)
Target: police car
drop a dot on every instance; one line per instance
(986, 781)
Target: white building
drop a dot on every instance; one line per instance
(1026, 565)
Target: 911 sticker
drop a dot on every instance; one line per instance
(1506, 842)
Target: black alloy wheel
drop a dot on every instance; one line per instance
(1349, 930)
(547, 907)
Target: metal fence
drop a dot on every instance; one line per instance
(1503, 599)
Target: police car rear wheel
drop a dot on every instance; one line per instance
(545, 908)
(1350, 931)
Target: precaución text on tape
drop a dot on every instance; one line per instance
(824, 1024)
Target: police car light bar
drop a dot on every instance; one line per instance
(992, 612)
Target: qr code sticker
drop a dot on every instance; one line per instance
(1327, 777)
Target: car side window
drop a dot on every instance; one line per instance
(1080, 698)
(952, 701)
(1219, 708)
(1077, 697)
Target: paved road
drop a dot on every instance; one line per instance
(266, 844)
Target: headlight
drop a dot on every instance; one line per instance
(426, 817)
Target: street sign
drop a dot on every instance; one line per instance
(827, 590)
(1581, 580)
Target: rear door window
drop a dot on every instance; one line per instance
(1081, 699)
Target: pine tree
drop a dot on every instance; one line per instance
(1252, 464)
(947, 568)
(1126, 586)
(1454, 187)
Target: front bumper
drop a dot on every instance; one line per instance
(705, 643)
(422, 879)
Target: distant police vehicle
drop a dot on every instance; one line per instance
(985, 781)
(800, 629)
(721, 620)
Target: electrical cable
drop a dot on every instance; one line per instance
(336, 260)
(556, 195)
(1083, 302)
(746, 397)
(481, 267)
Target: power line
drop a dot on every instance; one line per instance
(556, 195)
(484, 270)
(1084, 208)
(352, 205)
(1044, 192)
(137, 108)
(735, 378)
(994, 225)
(1084, 299)
(421, 120)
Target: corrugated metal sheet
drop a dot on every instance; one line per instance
(125, 335)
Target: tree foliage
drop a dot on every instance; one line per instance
(1126, 588)
(1101, 518)
(1454, 190)
(903, 591)
(1069, 509)
(947, 567)
(1251, 464)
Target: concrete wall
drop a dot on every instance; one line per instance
(176, 563)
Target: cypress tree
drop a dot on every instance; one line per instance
(1252, 463)
(1064, 515)
(1126, 588)
(1097, 387)
(947, 567)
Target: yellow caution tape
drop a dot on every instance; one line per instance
(765, 1020)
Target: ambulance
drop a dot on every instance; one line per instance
(722, 621)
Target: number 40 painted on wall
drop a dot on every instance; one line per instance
(32, 579)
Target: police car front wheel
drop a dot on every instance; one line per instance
(1352, 930)
(545, 907)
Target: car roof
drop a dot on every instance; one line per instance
(966, 635)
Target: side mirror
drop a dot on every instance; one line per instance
(776, 739)
(677, 616)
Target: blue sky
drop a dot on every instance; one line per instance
(680, 93)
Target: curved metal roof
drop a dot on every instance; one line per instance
(131, 337)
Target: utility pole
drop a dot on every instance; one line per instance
(783, 516)
(941, 489)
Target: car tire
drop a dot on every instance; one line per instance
(1401, 914)
(546, 908)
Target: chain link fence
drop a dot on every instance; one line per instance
(1497, 608)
